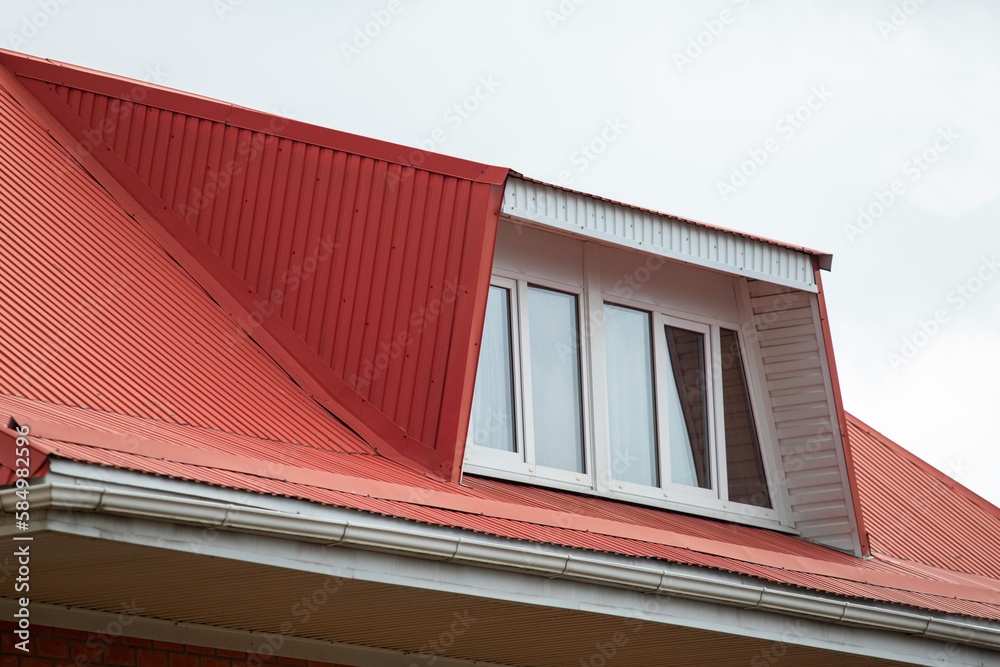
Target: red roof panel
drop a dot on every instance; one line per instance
(360, 265)
(375, 484)
(916, 513)
(102, 318)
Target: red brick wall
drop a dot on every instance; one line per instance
(56, 647)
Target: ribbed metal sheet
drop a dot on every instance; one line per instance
(367, 261)
(934, 520)
(666, 235)
(855, 588)
(791, 560)
(99, 316)
(787, 334)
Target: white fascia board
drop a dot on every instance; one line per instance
(611, 223)
(121, 507)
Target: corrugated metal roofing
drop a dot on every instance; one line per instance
(363, 263)
(917, 513)
(100, 317)
(112, 337)
(508, 510)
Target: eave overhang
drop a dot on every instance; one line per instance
(94, 502)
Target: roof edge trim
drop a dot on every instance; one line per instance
(825, 258)
(838, 399)
(142, 92)
(551, 207)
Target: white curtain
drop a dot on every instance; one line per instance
(555, 379)
(631, 409)
(492, 423)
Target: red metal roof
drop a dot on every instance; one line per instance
(361, 266)
(915, 512)
(376, 484)
(99, 316)
(119, 349)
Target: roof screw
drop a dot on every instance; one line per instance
(578, 479)
(620, 486)
(531, 470)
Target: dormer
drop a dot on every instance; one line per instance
(658, 361)
(620, 352)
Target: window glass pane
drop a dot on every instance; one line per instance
(687, 408)
(631, 411)
(493, 400)
(555, 379)
(745, 469)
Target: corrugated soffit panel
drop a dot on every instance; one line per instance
(378, 615)
(875, 579)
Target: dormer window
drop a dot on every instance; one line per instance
(528, 406)
(621, 392)
(677, 399)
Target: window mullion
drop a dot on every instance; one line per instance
(524, 339)
(660, 380)
(717, 439)
(592, 335)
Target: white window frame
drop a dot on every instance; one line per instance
(521, 463)
(597, 479)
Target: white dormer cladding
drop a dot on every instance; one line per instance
(664, 235)
(766, 291)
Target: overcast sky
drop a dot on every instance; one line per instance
(868, 129)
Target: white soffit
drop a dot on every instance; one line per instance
(672, 237)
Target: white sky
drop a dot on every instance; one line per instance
(895, 76)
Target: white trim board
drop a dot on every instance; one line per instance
(616, 224)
